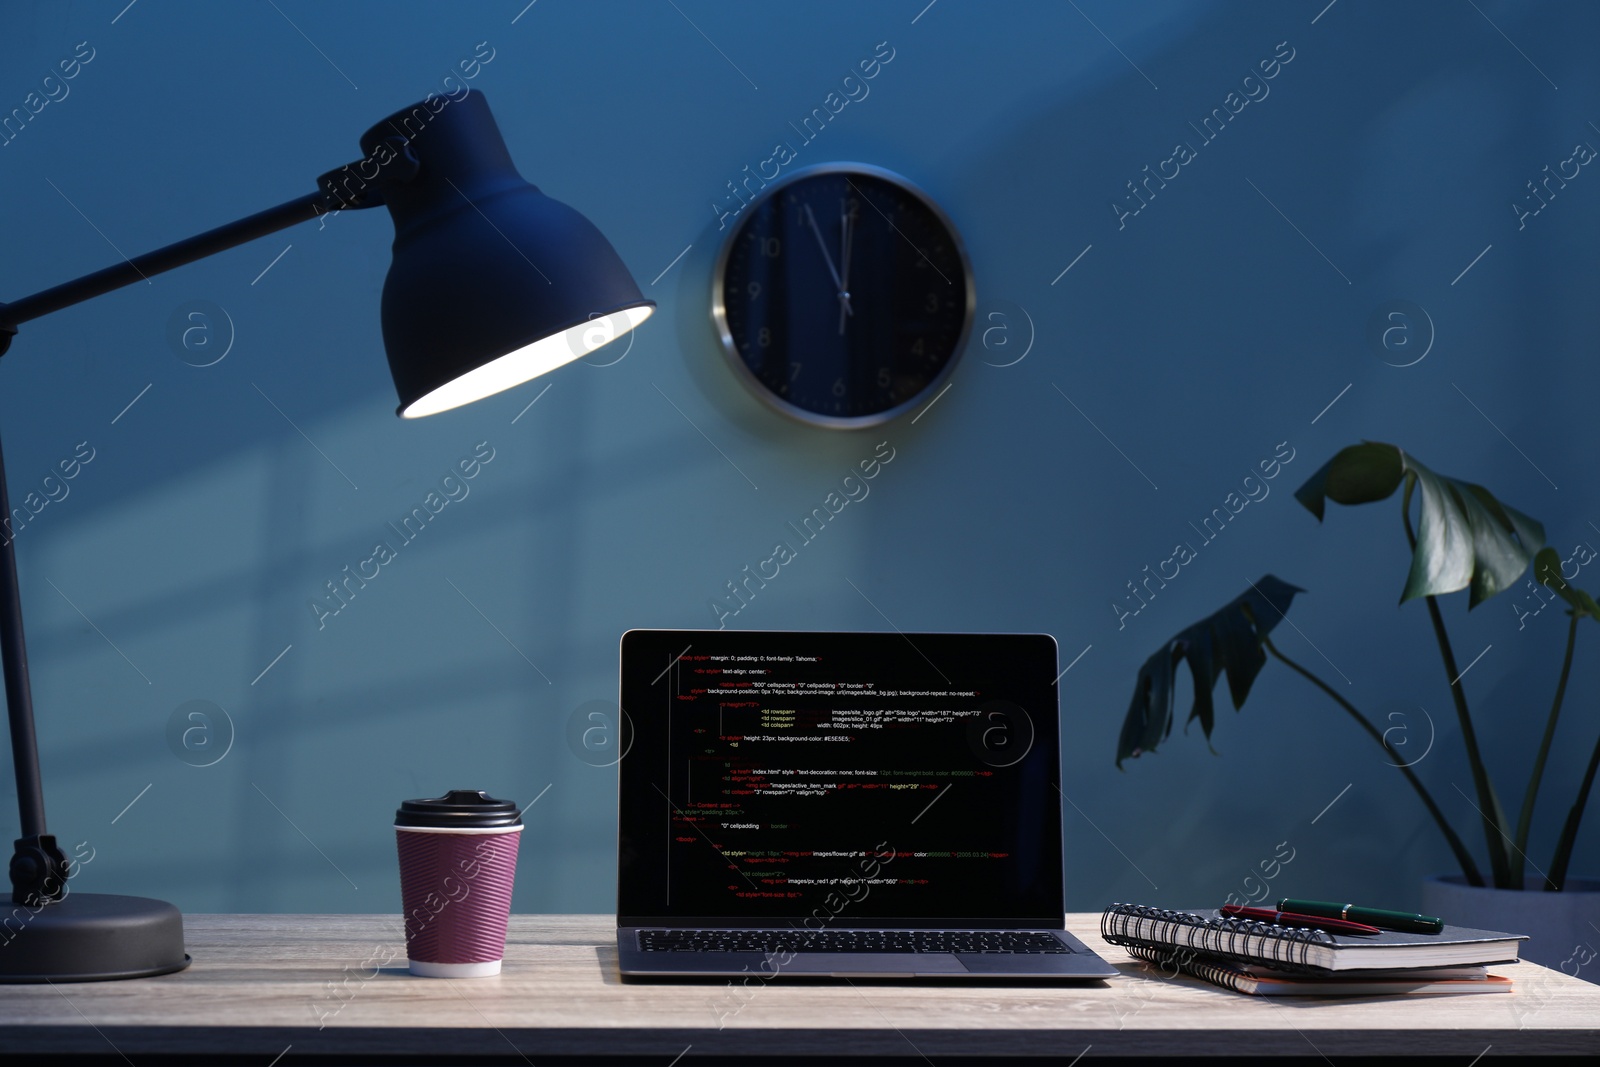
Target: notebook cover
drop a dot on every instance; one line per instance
(1221, 973)
(1303, 949)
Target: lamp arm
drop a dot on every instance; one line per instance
(142, 267)
(352, 186)
(39, 869)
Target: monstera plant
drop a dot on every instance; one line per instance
(1464, 538)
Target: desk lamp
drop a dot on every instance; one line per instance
(492, 283)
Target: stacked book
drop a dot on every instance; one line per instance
(1267, 959)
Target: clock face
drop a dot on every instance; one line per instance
(843, 296)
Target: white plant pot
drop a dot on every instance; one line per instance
(1563, 928)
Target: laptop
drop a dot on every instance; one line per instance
(878, 805)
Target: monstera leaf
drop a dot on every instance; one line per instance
(1228, 641)
(1547, 569)
(1465, 537)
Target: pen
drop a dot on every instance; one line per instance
(1289, 918)
(1387, 920)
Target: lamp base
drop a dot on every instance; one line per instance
(90, 937)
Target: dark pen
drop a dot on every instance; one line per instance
(1408, 921)
(1289, 918)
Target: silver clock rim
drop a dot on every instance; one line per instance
(730, 351)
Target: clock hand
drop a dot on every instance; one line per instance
(824, 246)
(846, 241)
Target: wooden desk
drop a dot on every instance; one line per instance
(260, 985)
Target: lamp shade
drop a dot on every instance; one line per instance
(492, 282)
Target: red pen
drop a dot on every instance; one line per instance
(1289, 918)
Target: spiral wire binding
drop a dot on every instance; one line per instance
(1163, 957)
(1217, 936)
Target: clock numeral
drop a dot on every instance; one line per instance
(794, 372)
(764, 337)
(754, 289)
(770, 247)
(838, 387)
(884, 379)
(919, 347)
(931, 303)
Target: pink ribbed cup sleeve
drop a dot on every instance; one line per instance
(456, 894)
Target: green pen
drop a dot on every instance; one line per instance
(1408, 921)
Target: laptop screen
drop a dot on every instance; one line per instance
(859, 779)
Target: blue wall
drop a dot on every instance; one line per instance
(1219, 321)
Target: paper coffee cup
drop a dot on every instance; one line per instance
(458, 860)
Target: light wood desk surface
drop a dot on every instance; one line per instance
(315, 985)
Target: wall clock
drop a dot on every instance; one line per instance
(843, 296)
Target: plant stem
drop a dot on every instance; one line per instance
(1493, 815)
(1463, 857)
(1488, 803)
(1569, 833)
(1525, 818)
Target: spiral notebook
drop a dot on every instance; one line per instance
(1169, 961)
(1303, 949)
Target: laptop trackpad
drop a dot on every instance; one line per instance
(868, 963)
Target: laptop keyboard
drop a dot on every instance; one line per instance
(984, 941)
